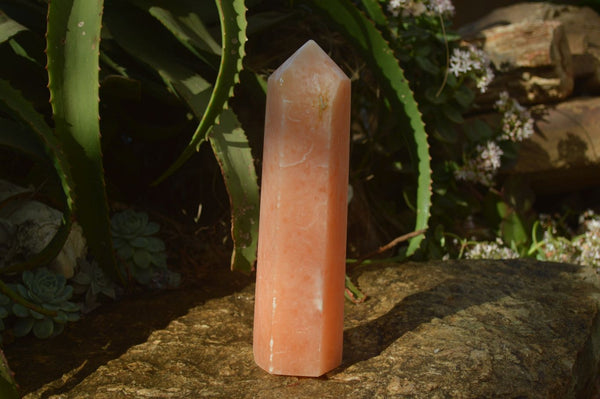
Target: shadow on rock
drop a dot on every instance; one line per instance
(462, 285)
(62, 362)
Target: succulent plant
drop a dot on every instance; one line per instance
(91, 281)
(142, 253)
(50, 291)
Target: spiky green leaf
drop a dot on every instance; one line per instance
(233, 38)
(8, 27)
(233, 153)
(374, 11)
(8, 386)
(377, 52)
(154, 50)
(25, 111)
(73, 44)
(184, 21)
(18, 137)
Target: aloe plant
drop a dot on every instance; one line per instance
(49, 152)
(370, 42)
(73, 46)
(206, 100)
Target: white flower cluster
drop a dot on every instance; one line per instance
(517, 123)
(441, 7)
(558, 249)
(396, 6)
(416, 7)
(490, 250)
(589, 242)
(483, 167)
(584, 249)
(475, 62)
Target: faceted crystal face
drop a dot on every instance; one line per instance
(302, 234)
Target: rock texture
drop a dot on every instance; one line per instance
(534, 61)
(564, 152)
(547, 56)
(563, 155)
(428, 330)
(581, 31)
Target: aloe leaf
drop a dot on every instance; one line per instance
(8, 386)
(8, 27)
(377, 52)
(24, 110)
(151, 48)
(375, 12)
(233, 38)
(73, 45)
(18, 137)
(232, 151)
(185, 23)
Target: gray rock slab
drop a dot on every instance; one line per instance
(460, 329)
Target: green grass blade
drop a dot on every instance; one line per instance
(73, 44)
(377, 52)
(232, 151)
(233, 36)
(24, 110)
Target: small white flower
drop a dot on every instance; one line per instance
(472, 61)
(441, 7)
(395, 6)
(483, 167)
(517, 124)
(490, 250)
(489, 156)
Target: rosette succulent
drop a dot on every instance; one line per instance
(49, 291)
(90, 280)
(142, 253)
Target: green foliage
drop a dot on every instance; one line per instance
(49, 291)
(370, 42)
(73, 46)
(74, 50)
(38, 128)
(8, 385)
(138, 249)
(233, 26)
(207, 100)
(233, 153)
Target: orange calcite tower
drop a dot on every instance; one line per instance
(299, 309)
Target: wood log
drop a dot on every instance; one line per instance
(582, 29)
(533, 60)
(564, 153)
